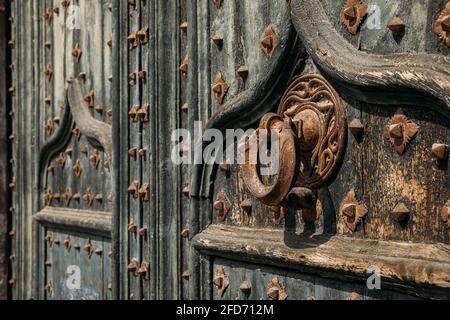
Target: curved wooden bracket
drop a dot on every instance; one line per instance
(407, 78)
(98, 133)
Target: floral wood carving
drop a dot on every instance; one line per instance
(399, 131)
(351, 211)
(352, 15)
(442, 25)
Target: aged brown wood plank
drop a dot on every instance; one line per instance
(419, 268)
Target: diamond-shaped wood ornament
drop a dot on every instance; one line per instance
(351, 211)
(269, 42)
(399, 131)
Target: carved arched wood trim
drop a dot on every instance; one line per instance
(406, 78)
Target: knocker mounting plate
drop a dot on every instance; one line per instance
(312, 130)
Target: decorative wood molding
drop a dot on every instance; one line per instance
(406, 78)
(85, 221)
(420, 269)
(97, 132)
(248, 107)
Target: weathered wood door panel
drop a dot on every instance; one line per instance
(61, 123)
(97, 89)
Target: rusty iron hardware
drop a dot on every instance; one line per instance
(133, 40)
(143, 152)
(246, 287)
(61, 160)
(67, 197)
(48, 287)
(221, 206)
(48, 197)
(186, 275)
(12, 184)
(275, 290)
(184, 26)
(225, 167)
(351, 211)
(49, 72)
(132, 114)
(133, 267)
(47, 44)
(12, 233)
(12, 282)
(95, 158)
(48, 100)
(353, 14)
(186, 191)
(57, 197)
(109, 113)
(12, 137)
(356, 128)
(12, 257)
(442, 25)
(82, 76)
(220, 281)
(185, 107)
(12, 43)
(133, 189)
(354, 296)
(142, 113)
(217, 3)
(269, 42)
(132, 228)
(246, 205)
(49, 238)
(184, 67)
(445, 213)
(132, 2)
(110, 197)
(48, 263)
(76, 133)
(99, 198)
(185, 233)
(56, 10)
(110, 78)
(312, 132)
(110, 254)
(439, 151)
(143, 35)
(242, 71)
(77, 169)
(57, 242)
(396, 25)
(220, 88)
(76, 52)
(48, 15)
(89, 98)
(77, 246)
(66, 243)
(142, 75)
(144, 192)
(401, 212)
(399, 131)
(77, 197)
(144, 270)
(109, 43)
(49, 127)
(12, 90)
(132, 153)
(99, 251)
(217, 40)
(65, 3)
(98, 108)
(88, 197)
(143, 232)
(89, 248)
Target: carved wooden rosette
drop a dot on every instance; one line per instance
(312, 132)
(399, 131)
(351, 211)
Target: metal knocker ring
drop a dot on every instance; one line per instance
(275, 193)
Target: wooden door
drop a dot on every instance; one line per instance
(61, 138)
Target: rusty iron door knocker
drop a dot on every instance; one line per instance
(312, 135)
